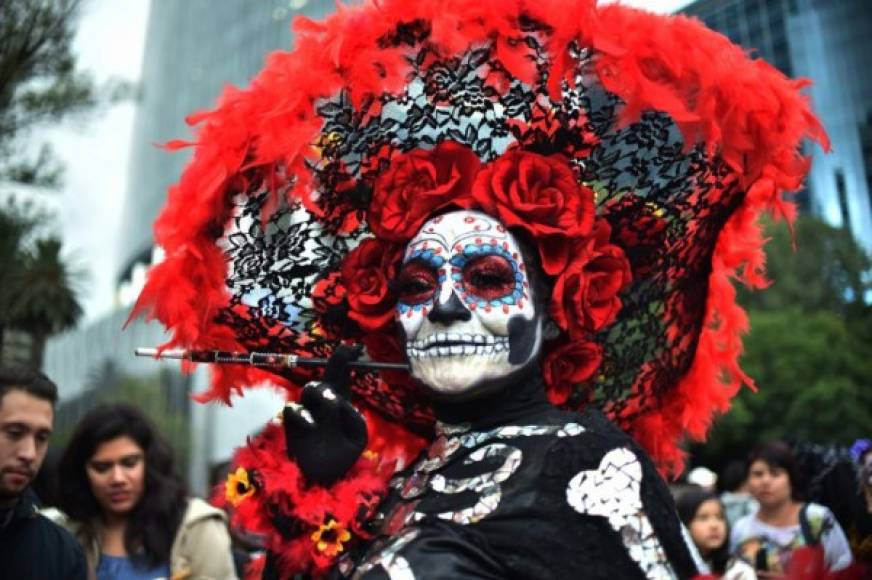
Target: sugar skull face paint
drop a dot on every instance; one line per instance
(465, 303)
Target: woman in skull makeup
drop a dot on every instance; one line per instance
(540, 214)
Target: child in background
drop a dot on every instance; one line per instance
(702, 513)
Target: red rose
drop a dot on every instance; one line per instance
(416, 185)
(586, 296)
(568, 366)
(539, 194)
(366, 272)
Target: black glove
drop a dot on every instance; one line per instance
(324, 433)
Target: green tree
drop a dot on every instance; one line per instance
(39, 83)
(824, 270)
(37, 287)
(809, 349)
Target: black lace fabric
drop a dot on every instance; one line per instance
(666, 203)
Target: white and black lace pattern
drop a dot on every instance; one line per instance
(613, 491)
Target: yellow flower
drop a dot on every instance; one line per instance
(329, 538)
(370, 455)
(238, 487)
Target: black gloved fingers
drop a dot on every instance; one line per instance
(321, 401)
(338, 372)
(353, 423)
(296, 418)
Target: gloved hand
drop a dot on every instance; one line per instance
(324, 433)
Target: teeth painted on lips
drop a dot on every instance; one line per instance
(450, 339)
(446, 350)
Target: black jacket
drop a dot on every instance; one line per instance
(33, 547)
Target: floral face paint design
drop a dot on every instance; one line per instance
(465, 303)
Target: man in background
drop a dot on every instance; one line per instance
(31, 546)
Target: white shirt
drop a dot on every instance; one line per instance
(837, 551)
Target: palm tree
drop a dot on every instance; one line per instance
(47, 301)
(37, 294)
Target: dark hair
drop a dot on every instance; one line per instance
(688, 504)
(731, 478)
(31, 381)
(778, 454)
(153, 522)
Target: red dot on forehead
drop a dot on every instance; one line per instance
(469, 219)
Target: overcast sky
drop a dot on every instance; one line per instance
(109, 43)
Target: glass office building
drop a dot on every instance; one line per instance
(826, 41)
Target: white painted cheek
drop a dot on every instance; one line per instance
(497, 320)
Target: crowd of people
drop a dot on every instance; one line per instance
(763, 524)
(124, 513)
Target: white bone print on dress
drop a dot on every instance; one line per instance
(613, 491)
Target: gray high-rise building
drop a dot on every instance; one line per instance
(826, 41)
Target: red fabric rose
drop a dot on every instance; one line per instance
(541, 195)
(417, 184)
(567, 366)
(366, 273)
(586, 296)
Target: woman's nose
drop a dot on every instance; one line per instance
(117, 473)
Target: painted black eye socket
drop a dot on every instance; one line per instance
(417, 283)
(489, 277)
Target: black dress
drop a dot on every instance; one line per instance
(524, 490)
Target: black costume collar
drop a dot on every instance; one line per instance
(521, 400)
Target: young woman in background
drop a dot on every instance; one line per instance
(129, 507)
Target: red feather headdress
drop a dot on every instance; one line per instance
(282, 233)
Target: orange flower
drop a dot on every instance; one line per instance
(238, 487)
(330, 537)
